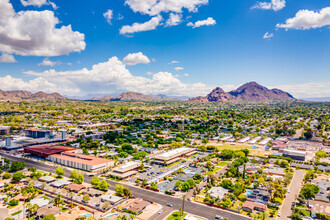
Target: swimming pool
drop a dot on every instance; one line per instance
(86, 214)
(109, 216)
(187, 170)
(248, 192)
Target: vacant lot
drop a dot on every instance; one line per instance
(232, 146)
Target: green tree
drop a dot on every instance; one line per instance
(309, 190)
(73, 174)
(103, 185)
(86, 198)
(16, 166)
(18, 176)
(95, 181)
(59, 171)
(119, 189)
(79, 179)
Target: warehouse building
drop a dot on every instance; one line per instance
(173, 156)
(294, 154)
(81, 161)
(45, 151)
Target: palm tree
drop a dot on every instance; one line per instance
(57, 200)
(28, 206)
(71, 194)
(33, 208)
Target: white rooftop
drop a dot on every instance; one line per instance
(39, 202)
(173, 152)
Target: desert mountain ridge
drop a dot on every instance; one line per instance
(21, 95)
(133, 96)
(249, 92)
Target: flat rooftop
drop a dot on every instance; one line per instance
(173, 153)
(44, 149)
(81, 158)
(127, 167)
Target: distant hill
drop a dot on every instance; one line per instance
(20, 95)
(249, 92)
(133, 96)
(317, 99)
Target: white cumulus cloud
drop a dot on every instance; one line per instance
(179, 68)
(38, 3)
(47, 62)
(38, 84)
(306, 19)
(155, 7)
(268, 35)
(275, 5)
(113, 77)
(136, 58)
(7, 58)
(173, 20)
(108, 15)
(207, 22)
(139, 27)
(34, 33)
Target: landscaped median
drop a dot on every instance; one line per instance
(178, 215)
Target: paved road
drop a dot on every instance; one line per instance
(291, 197)
(190, 207)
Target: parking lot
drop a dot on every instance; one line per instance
(155, 172)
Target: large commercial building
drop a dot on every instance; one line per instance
(38, 133)
(173, 156)
(45, 151)
(81, 161)
(294, 154)
(125, 170)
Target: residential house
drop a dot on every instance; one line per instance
(217, 192)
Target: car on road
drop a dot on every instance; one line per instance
(218, 217)
(279, 214)
(160, 212)
(169, 205)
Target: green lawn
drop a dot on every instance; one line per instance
(213, 171)
(233, 146)
(16, 213)
(176, 216)
(222, 163)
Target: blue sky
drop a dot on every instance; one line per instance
(79, 47)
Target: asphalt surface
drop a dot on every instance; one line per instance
(291, 196)
(190, 207)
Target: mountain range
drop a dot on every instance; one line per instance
(249, 92)
(133, 96)
(20, 95)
